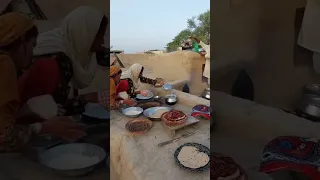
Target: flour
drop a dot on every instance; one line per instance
(190, 156)
(72, 161)
(132, 112)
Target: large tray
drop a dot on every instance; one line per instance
(201, 148)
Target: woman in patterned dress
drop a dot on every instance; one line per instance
(64, 58)
(132, 78)
(18, 35)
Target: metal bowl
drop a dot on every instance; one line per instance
(78, 166)
(167, 87)
(310, 105)
(206, 94)
(171, 99)
(138, 109)
(150, 112)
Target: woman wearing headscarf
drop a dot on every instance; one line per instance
(65, 57)
(206, 70)
(132, 78)
(115, 74)
(18, 36)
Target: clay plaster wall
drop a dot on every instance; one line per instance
(170, 67)
(260, 32)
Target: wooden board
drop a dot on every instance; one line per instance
(172, 129)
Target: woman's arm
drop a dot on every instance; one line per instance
(205, 47)
(114, 104)
(148, 80)
(13, 137)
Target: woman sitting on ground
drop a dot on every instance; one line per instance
(131, 79)
(64, 58)
(18, 35)
(115, 74)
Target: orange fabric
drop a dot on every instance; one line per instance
(13, 137)
(9, 101)
(113, 103)
(13, 26)
(114, 70)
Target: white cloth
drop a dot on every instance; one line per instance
(133, 73)
(309, 36)
(206, 72)
(74, 37)
(44, 106)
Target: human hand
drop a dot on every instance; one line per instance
(61, 110)
(160, 82)
(63, 127)
(144, 93)
(129, 102)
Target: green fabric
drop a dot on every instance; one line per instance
(195, 47)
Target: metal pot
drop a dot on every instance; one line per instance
(310, 105)
(206, 94)
(171, 99)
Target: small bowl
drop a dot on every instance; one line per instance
(138, 109)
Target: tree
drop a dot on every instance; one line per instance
(197, 26)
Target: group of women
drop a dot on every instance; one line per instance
(56, 63)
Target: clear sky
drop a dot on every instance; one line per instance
(139, 25)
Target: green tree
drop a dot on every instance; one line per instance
(198, 26)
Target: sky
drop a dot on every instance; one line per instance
(140, 25)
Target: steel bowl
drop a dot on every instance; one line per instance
(167, 87)
(206, 94)
(83, 149)
(150, 112)
(310, 105)
(138, 109)
(171, 99)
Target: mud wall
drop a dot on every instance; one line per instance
(180, 65)
(260, 32)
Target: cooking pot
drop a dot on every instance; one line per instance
(171, 99)
(206, 94)
(310, 105)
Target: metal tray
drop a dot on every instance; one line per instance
(201, 148)
(153, 110)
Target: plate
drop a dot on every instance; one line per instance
(72, 157)
(201, 148)
(150, 104)
(201, 108)
(139, 111)
(150, 95)
(139, 126)
(96, 110)
(150, 112)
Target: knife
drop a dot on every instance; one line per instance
(175, 139)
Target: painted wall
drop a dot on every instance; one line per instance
(261, 33)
